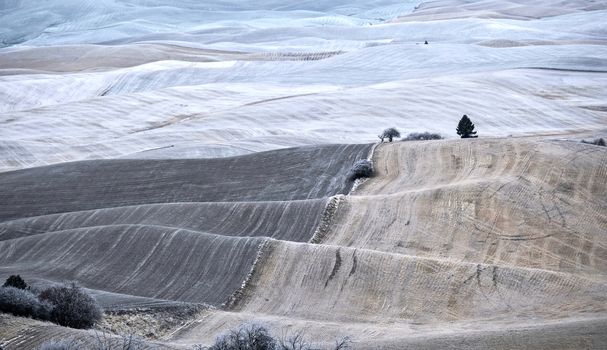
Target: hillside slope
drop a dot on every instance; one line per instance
(186, 155)
(169, 230)
(408, 253)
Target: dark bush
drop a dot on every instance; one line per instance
(72, 306)
(419, 136)
(596, 142)
(15, 281)
(246, 337)
(20, 302)
(362, 168)
(389, 133)
(256, 337)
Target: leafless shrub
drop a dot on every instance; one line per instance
(104, 341)
(256, 337)
(246, 337)
(343, 344)
(293, 342)
(20, 302)
(362, 168)
(418, 136)
(596, 142)
(297, 341)
(72, 306)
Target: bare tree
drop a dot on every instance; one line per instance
(343, 343)
(293, 342)
(104, 341)
(246, 337)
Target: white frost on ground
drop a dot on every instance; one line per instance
(158, 79)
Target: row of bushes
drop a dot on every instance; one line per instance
(596, 142)
(245, 337)
(465, 129)
(67, 305)
(392, 133)
(257, 337)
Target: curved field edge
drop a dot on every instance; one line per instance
(370, 269)
(286, 220)
(144, 261)
(512, 202)
(334, 283)
(283, 175)
(523, 334)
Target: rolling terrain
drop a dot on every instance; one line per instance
(447, 235)
(175, 220)
(178, 155)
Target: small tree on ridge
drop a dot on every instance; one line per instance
(465, 128)
(390, 133)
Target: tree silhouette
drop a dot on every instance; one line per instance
(465, 128)
(15, 281)
(390, 133)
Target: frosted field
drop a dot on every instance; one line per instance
(83, 80)
(171, 153)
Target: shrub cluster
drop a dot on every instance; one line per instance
(246, 337)
(418, 136)
(72, 307)
(20, 302)
(596, 142)
(68, 305)
(257, 337)
(465, 128)
(362, 168)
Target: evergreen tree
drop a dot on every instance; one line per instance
(465, 128)
(15, 281)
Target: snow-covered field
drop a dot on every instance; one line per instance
(156, 79)
(474, 244)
